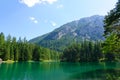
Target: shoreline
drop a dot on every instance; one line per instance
(11, 61)
(8, 61)
(0, 60)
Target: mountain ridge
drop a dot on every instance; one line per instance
(90, 28)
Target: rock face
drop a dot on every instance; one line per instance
(90, 28)
(0, 60)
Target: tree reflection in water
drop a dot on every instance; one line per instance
(59, 71)
(111, 71)
(101, 74)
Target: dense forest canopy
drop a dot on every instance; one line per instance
(86, 51)
(21, 50)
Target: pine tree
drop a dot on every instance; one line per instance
(2, 44)
(112, 33)
(111, 47)
(112, 20)
(36, 54)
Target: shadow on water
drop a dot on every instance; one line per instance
(101, 74)
(105, 71)
(80, 67)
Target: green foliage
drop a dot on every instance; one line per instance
(72, 53)
(2, 41)
(36, 55)
(112, 20)
(6, 52)
(86, 51)
(111, 46)
(21, 50)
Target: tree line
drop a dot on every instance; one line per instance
(21, 50)
(108, 50)
(86, 51)
(89, 51)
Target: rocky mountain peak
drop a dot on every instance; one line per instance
(90, 28)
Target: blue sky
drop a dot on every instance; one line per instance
(32, 18)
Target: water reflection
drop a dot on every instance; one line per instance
(59, 71)
(101, 74)
(29, 71)
(91, 71)
(80, 67)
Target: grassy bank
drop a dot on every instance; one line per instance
(49, 61)
(11, 61)
(8, 61)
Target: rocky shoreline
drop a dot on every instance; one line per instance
(0, 60)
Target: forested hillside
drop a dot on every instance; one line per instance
(89, 28)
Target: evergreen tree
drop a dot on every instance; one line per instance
(21, 50)
(112, 20)
(36, 54)
(87, 51)
(111, 47)
(7, 52)
(16, 54)
(97, 51)
(112, 33)
(7, 48)
(2, 44)
(72, 53)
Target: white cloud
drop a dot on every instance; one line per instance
(53, 23)
(49, 1)
(33, 19)
(60, 6)
(31, 3)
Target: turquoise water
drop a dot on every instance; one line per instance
(59, 71)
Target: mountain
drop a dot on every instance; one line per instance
(90, 28)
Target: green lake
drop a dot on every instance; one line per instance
(59, 71)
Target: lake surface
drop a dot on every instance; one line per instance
(59, 71)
